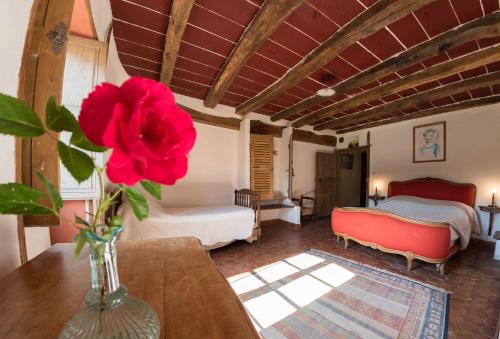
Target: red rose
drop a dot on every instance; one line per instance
(150, 136)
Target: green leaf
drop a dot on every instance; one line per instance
(78, 163)
(80, 140)
(81, 239)
(59, 118)
(116, 221)
(138, 202)
(80, 221)
(54, 195)
(152, 188)
(16, 118)
(20, 199)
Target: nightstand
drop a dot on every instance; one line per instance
(492, 210)
(376, 198)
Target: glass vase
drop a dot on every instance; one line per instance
(109, 311)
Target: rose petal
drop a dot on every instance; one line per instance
(167, 171)
(124, 174)
(135, 91)
(97, 111)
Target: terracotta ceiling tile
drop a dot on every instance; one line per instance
(389, 78)
(340, 11)
(467, 10)
(481, 92)
(288, 36)
(312, 22)
(490, 6)
(325, 77)
(370, 85)
(496, 89)
(463, 49)
(473, 72)
(216, 24)
(340, 68)
(138, 50)
(139, 35)
(408, 92)
(256, 76)
(382, 44)
(241, 11)
(450, 79)
(424, 105)
(462, 96)
(443, 101)
(437, 17)
(206, 40)
(376, 102)
(408, 31)
(276, 52)
(493, 67)
(427, 86)
(436, 60)
(390, 97)
(160, 6)
(410, 70)
(266, 65)
(196, 67)
(200, 55)
(140, 16)
(358, 57)
(488, 41)
(140, 63)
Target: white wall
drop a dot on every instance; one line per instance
(472, 154)
(213, 170)
(14, 17)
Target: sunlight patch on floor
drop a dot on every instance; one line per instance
(246, 283)
(333, 275)
(276, 271)
(304, 290)
(304, 260)
(269, 308)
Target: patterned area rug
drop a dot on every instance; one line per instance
(319, 295)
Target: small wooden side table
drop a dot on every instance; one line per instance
(376, 198)
(492, 210)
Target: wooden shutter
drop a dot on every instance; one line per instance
(261, 162)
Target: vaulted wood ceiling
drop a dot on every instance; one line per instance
(388, 60)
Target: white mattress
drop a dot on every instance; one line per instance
(212, 225)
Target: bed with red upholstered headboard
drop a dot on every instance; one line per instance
(432, 188)
(413, 238)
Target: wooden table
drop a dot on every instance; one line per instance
(175, 276)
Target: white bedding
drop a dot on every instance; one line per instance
(212, 225)
(462, 218)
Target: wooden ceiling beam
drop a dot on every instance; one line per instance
(214, 120)
(178, 20)
(313, 138)
(376, 17)
(413, 100)
(425, 113)
(265, 22)
(259, 127)
(439, 71)
(484, 27)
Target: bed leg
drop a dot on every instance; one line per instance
(338, 239)
(346, 242)
(409, 264)
(441, 267)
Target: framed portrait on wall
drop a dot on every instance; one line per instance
(429, 142)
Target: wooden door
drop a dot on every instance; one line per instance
(325, 183)
(261, 162)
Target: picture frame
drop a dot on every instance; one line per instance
(429, 142)
(347, 161)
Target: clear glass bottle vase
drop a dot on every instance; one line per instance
(109, 311)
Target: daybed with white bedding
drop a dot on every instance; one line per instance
(214, 226)
(427, 219)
